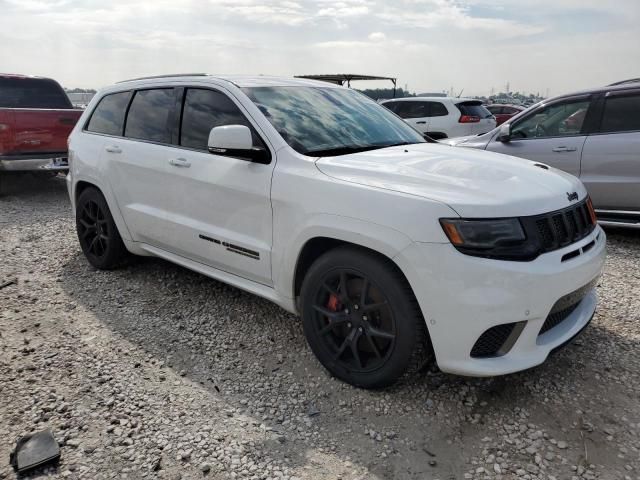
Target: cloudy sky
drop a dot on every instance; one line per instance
(431, 45)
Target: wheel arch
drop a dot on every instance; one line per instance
(81, 185)
(317, 246)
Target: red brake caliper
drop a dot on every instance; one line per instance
(334, 303)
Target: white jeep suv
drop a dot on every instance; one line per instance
(392, 250)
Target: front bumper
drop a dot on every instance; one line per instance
(461, 297)
(37, 163)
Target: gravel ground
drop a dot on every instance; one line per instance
(153, 371)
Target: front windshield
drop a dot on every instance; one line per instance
(321, 121)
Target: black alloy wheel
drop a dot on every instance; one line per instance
(354, 321)
(361, 318)
(92, 229)
(97, 232)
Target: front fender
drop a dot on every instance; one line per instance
(382, 239)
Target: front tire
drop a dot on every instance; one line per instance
(361, 318)
(97, 232)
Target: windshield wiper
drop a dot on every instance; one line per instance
(345, 150)
(332, 152)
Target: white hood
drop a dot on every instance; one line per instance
(474, 183)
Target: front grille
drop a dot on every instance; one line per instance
(492, 343)
(561, 228)
(565, 306)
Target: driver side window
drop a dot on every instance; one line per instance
(558, 120)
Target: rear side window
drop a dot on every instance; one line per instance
(496, 110)
(393, 106)
(108, 117)
(621, 114)
(437, 109)
(411, 109)
(32, 93)
(204, 110)
(150, 116)
(473, 109)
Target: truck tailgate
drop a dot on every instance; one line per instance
(36, 130)
(6, 130)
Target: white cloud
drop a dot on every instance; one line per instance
(430, 44)
(377, 36)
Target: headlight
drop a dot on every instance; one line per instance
(502, 238)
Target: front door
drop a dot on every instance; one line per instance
(415, 113)
(219, 207)
(552, 134)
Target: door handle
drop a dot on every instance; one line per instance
(113, 149)
(180, 162)
(564, 149)
(421, 123)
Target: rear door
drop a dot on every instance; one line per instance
(137, 167)
(219, 207)
(439, 119)
(553, 134)
(611, 155)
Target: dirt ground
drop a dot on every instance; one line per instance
(153, 371)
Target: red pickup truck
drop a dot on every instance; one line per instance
(36, 117)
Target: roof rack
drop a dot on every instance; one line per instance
(166, 76)
(624, 82)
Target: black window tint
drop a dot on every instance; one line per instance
(621, 114)
(403, 109)
(412, 109)
(32, 93)
(473, 109)
(393, 106)
(496, 110)
(204, 110)
(419, 109)
(437, 109)
(149, 116)
(108, 117)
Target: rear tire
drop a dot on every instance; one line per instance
(361, 318)
(97, 232)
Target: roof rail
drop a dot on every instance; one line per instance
(166, 76)
(624, 82)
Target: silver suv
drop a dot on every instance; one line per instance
(592, 134)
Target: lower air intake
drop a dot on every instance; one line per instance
(497, 340)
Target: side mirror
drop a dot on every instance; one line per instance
(236, 141)
(504, 135)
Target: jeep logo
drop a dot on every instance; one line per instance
(573, 196)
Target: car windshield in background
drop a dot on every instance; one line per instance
(320, 121)
(32, 93)
(474, 109)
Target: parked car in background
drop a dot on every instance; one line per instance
(593, 134)
(504, 112)
(317, 198)
(443, 117)
(36, 118)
